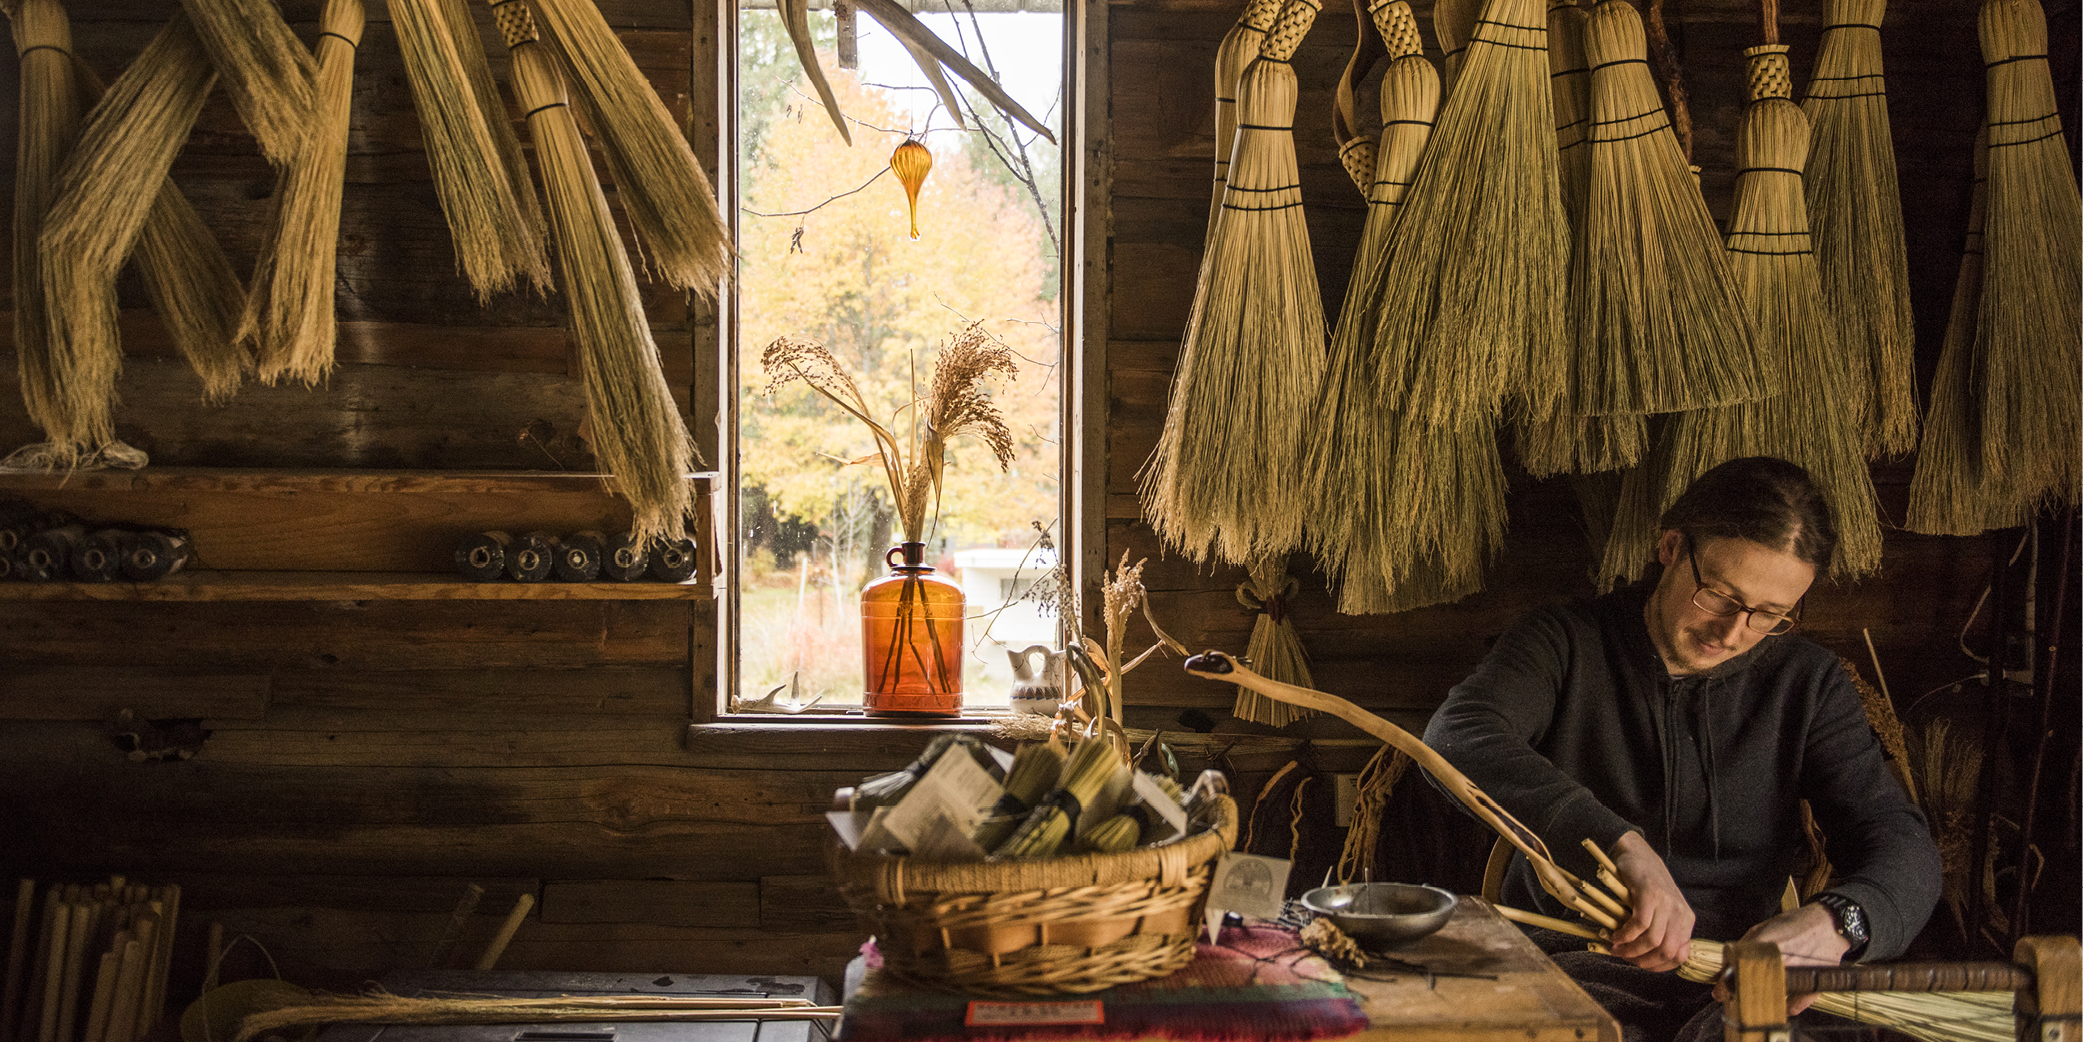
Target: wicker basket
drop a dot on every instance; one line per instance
(1042, 926)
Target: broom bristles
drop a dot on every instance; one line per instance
(1453, 21)
(1855, 210)
(1274, 648)
(289, 311)
(1238, 48)
(262, 66)
(479, 176)
(1945, 492)
(2029, 330)
(1658, 324)
(637, 431)
(657, 179)
(49, 116)
(1226, 475)
(105, 194)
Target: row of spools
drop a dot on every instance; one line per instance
(56, 546)
(577, 558)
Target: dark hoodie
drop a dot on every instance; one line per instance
(1573, 723)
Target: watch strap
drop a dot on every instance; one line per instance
(1850, 920)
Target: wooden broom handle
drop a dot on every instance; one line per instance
(1768, 21)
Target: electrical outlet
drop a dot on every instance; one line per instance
(1348, 797)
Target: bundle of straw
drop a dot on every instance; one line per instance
(104, 197)
(48, 120)
(262, 66)
(289, 308)
(2029, 329)
(1226, 472)
(1239, 47)
(1274, 646)
(1472, 283)
(479, 175)
(1855, 209)
(1658, 324)
(1356, 149)
(1815, 422)
(1554, 440)
(1453, 21)
(657, 179)
(1945, 493)
(637, 430)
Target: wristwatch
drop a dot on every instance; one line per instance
(1851, 921)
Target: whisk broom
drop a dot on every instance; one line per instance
(638, 433)
(48, 120)
(1238, 48)
(1855, 212)
(263, 67)
(1225, 476)
(289, 307)
(2029, 330)
(1658, 325)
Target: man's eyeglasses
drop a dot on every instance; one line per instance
(1715, 602)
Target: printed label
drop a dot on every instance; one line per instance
(986, 1014)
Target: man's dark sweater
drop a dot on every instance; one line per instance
(1574, 725)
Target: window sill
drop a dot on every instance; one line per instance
(826, 743)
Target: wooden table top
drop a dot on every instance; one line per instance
(1530, 1000)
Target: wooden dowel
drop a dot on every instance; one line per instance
(122, 1010)
(1547, 922)
(162, 963)
(39, 962)
(83, 922)
(152, 930)
(213, 956)
(17, 957)
(104, 993)
(54, 972)
(438, 958)
(506, 932)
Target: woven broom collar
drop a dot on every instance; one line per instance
(1398, 27)
(1770, 76)
(516, 24)
(1288, 30)
(1357, 156)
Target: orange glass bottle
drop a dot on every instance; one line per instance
(911, 638)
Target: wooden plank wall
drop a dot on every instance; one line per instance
(367, 760)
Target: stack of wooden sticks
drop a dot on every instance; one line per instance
(98, 969)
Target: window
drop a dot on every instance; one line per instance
(826, 252)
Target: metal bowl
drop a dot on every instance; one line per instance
(1379, 915)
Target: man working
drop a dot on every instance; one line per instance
(1678, 726)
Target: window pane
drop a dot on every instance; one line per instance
(826, 254)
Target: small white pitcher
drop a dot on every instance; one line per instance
(1036, 691)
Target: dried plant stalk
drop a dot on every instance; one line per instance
(1226, 476)
(263, 67)
(48, 121)
(479, 175)
(289, 310)
(1275, 649)
(660, 184)
(637, 431)
(1855, 211)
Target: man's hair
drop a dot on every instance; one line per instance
(1760, 498)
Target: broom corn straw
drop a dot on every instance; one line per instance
(660, 184)
(637, 429)
(479, 176)
(1945, 492)
(264, 69)
(48, 121)
(2029, 326)
(1238, 48)
(1225, 476)
(1855, 213)
(289, 317)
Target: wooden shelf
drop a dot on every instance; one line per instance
(266, 480)
(346, 586)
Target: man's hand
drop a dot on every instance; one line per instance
(1658, 936)
(1806, 936)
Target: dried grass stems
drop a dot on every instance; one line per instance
(1239, 47)
(1554, 440)
(1472, 284)
(1275, 649)
(956, 404)
(1226, 476)
(661, 187)
(483, 183)
(1855, 214)
(1816, 421)
(2029, 328)
(1658, 324)
(1948, 772)
(1945, 492)
(104, 196)
(289, 317)
(637, 431)
(263, 67)
(47, 122)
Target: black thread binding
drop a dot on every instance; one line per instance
(2016, 58)
(1262, 126)
(1281, 188)
(355, 44)
(1622, 61)
(32, 48)
(1665, 125)
(2056, 132)
(1407, 122)
(1850, 25)
(1767, 170)
(1260, 209)
(543, 108)
(1846, 97)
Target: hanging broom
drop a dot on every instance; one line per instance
(1226, 473)
(479, 175)
(1815, 422)
(1554, 440)
(289, 309)
(1855, 208)
(1658, 323)
(1275, 649)
(657, 179)
(2030, 323)
(637, 430)
(48, 120)
(267, 73)
(1453, 21)
(1473, 279)
(1945, 494)
(1356, 149)
(105, 193)
(1239, 47)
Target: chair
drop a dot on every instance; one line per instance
(2045, 972)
